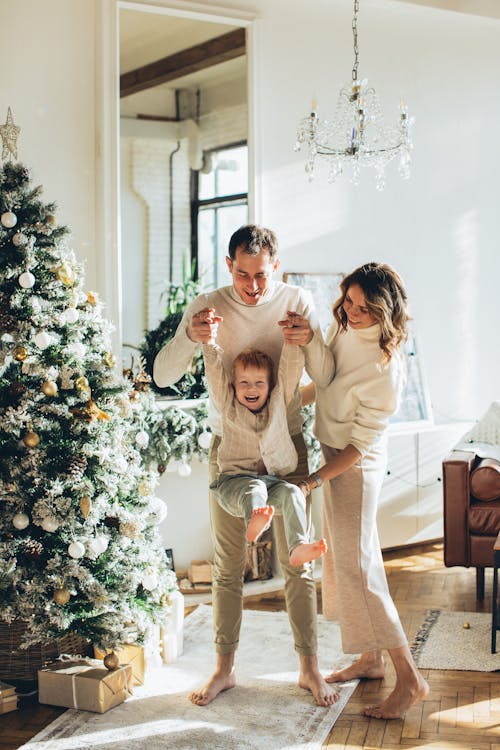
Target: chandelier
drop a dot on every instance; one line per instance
(357, 135)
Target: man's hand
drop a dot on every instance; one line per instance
(296, 329)
(203, 326)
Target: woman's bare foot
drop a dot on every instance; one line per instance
(311, 679)
(402, 697)
(304, 553)
(369, 666)
(259, 522)
(218, 682)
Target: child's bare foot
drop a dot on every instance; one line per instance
(402, 697)
(259, 522)
(304, 553)
(218, 682)
(369, 666)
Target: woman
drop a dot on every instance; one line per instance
(358, 377)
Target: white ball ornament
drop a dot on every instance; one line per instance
(204, 439)
(71, 315)
(26, 280)
(8, 219)
(77, 349)
(20, 521)
(142, 439)
(42, 339)
(157, 510)
(76, 550)
(150, 580)
(99, 544)
(50, 524)
(19, 239)
(184, 470)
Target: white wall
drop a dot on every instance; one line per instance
(47, 58)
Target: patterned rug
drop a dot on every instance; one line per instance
(266, 711)
(456, 640)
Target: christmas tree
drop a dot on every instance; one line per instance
(80, 550)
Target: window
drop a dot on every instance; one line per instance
(219, 207)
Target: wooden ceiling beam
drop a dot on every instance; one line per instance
(214, 51)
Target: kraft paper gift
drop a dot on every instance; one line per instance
(130, 654)
(83, 685)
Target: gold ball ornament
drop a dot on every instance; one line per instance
(49, 388)
(51, 221)
(92, 298)
(466, 626)
(111, 661)
(61, 596)
(81, 383)
(31, 439)
(20, 353)
(85, 505)
(65, 274)
(109, 359)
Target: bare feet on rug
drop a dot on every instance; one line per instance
(311, 679)
(369, 666)
(400, 700)
(304, 553)
(259, 522)
(219, 681)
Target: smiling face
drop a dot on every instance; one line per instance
(251, 386)
(356, 309)
(252, 274)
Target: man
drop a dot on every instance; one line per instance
(244, 315)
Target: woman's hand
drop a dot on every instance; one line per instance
(296, 329)
(304, 487)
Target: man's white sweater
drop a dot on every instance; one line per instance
(357, 390)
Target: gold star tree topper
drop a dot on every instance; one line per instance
(9, 134)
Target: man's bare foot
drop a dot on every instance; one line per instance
(218, 682)
(402, 697)
(323, 694)
(304, 553)
(369, 666)
(259, 522)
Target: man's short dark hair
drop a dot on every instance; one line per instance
(253, 239)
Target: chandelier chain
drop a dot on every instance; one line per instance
(355, 38)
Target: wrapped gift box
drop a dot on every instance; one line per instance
(84, 685)
(200, 571)
(130, 654)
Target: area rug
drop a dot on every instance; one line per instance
(266, 711)
(456, 640)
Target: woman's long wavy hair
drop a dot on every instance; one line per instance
(386, 300)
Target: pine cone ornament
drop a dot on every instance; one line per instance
(112, 522)
(31, 549)
(76, 467)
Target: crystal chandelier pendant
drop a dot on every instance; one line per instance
(356, 136)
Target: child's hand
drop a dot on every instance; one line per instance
(296, 329)
(203, 326)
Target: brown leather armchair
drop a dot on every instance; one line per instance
(471, 524)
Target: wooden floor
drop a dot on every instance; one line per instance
(462, 710)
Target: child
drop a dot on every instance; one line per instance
(256, 448)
